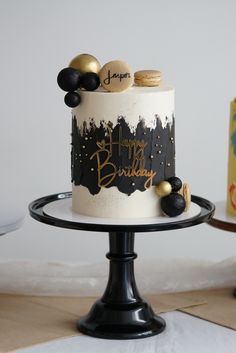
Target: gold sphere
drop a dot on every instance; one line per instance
(85, 63)
(163, 188)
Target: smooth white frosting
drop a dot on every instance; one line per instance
(134, 104)
(111, 203)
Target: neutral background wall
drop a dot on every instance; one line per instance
(191, 42)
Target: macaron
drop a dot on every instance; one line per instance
(116, 76)
(186, 193)
(147, 78)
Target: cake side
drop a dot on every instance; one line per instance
(111, 203)
(122, 145)
(135, 103)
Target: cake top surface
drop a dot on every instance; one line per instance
(132, 90)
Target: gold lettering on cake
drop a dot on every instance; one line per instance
(107, 171)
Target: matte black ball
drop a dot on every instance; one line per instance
(68, 79)
(72, 99)
(173, 205)
(176, 183)
(90, 81)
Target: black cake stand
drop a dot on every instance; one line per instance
(121, 313)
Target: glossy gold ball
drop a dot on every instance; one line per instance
(85, 63)
(163, 188)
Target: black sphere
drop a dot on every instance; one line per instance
(176, 183)
(68, 79)
(72, 99)
(90, 81)
(173, 205)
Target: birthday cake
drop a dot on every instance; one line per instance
(123, 141)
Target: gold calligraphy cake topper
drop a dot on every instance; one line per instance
(108, 171)
(119, 155)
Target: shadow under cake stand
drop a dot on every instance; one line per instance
(121, 313)
(11, 219)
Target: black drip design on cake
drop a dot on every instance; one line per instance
(129, 158)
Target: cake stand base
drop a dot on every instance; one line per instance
(121, 313)
(131, 321)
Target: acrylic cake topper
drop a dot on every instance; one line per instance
(107, 155)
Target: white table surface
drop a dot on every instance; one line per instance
(184, 334)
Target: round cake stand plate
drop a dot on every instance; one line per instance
(121, 313)
(63, 209)
(221, 219)
(56, 210)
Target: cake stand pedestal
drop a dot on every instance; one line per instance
(222, 220)
(121, 313)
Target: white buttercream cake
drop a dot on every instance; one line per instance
(123, 141)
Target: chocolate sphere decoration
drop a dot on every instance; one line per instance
(68, 79)
(173, 205)
(163, 188)
(72, 99)
(176, 183)
(85, 63)
(90, 81)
